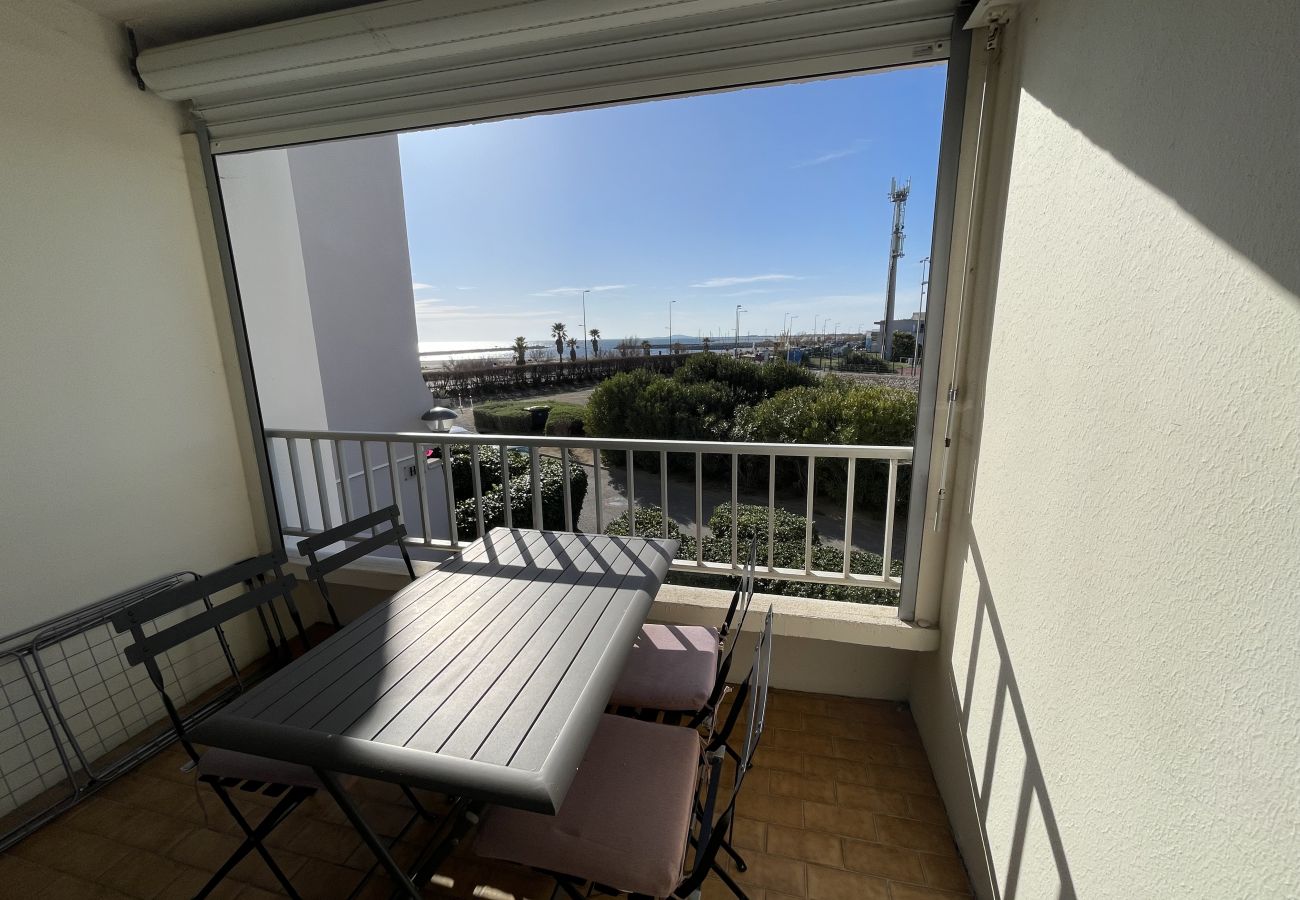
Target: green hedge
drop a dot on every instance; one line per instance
(565, 420)
(504, 417)
(521, 491)
(834, 412)
(649, 523)
(751, 522)
(787, 553)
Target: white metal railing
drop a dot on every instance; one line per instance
(377, 469)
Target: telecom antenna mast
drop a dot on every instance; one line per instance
(898, 197)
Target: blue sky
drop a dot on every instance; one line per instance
(773, 198)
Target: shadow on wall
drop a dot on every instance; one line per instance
(1224, 151)
(987, 640)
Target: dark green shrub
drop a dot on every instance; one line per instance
(565, 420)
(834, 412)
(649, 523)
(751, 522)
(521, 491)
(504, 417)
(862, 361)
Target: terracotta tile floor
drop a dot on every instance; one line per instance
(840, 805)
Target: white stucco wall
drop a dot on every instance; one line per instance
(1115, 709)
(352, 222)
(118, 444)
(263, 221)
(318, 235)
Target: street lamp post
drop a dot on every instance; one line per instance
(739, 309)
(586, 335)
(670, 326)
(920, 306)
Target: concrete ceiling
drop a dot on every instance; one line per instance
(159, 22)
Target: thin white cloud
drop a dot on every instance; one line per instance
(748, 293)
(733, 280)
(465, 287)
(421, 286)
(855, 148)
(595, 289)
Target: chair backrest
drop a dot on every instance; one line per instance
(319, 567)
(740, 602)
(751, 696)
(744, 590)
(263, 581)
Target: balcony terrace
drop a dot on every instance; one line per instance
(841, 805)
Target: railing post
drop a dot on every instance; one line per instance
(478, 487)
(889, 518)
(318, 465)
(631, 495)
(421, 471)
(345, 482)
(370, 482)
(295, 475)
(848, 517)
(535, 479)
(395, 479)
(771, 510)
(699, 508)
(808, 531)
(568, 491)
(506, 494)
(735, 509)
(663, 490)
(600, 504)
(451, 496)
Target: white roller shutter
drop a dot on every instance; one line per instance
(416, 63)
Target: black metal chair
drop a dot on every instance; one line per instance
(629, 817)
(225, 770)
(681, 670)
(319, 567)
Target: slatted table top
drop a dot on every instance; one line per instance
(484, 678)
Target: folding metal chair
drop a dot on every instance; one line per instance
(628, 819)
(682, 669)
(319, 567)
(225, 770)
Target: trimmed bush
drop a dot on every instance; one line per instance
(834, 412)
(751, 522)
(862, 361)
(787, 553)
(504, 417)
(565, 420)
(521, 491)
(649, 523)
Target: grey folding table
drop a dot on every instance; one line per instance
(484, 679)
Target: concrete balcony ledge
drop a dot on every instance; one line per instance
(859, 624)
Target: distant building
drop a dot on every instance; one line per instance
(914, 325)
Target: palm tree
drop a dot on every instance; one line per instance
(645, 347)
(705, 341)
(573, 349)
(557, 331)
(595, 341)
(520, 347)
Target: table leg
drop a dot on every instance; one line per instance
(463, 817)
(373, 841)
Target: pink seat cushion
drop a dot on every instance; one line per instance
(221, 763)
(671, 667)
(625, 818)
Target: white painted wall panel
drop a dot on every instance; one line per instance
(119, 450)
(1114, 712)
